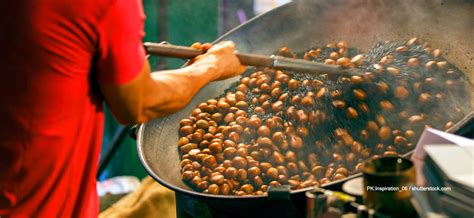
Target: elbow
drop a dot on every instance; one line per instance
(130, 117)
(148, 111)
(142, 115)
(128, 120)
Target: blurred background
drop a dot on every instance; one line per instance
(180, 22)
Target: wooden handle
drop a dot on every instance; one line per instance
(255, 60)
(274, 62)
(177, 51)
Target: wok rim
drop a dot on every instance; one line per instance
(150, 171)
(148, 168)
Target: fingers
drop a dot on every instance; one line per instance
(241, 69)
(222, 47)
(222, 56)
(200, 46)
(196, 45)
(225, 46)
(206, 46)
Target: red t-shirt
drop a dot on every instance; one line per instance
(53, 55)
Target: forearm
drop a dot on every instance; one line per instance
(152, 95)
(172, 90)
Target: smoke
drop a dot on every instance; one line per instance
(448, 25)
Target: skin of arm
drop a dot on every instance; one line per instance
(153, 95)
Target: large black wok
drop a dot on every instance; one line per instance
(447, 25)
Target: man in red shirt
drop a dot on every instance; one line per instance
(59, 60)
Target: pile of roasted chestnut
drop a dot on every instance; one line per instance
(274, 127)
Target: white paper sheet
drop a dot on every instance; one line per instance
(434, 137)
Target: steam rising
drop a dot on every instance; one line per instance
(447, 25)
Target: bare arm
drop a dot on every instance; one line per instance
(150, 96)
